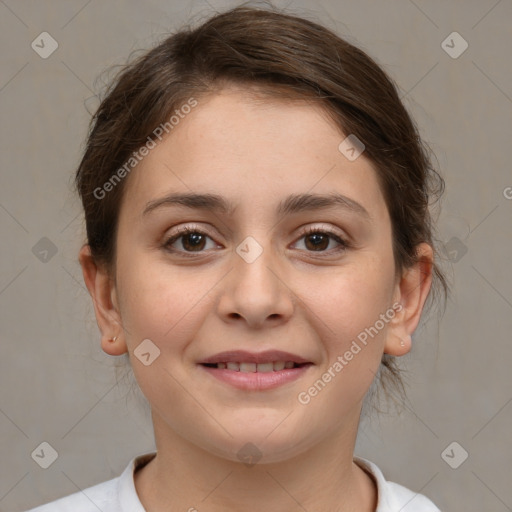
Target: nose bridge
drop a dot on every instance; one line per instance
(252, 263)
(255, 290)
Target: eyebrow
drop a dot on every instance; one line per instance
(294, 203)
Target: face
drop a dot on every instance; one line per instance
(262, 271)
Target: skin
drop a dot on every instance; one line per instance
(254, 151)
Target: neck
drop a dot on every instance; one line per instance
(183, 476)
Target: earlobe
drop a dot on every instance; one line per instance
(103, 293)
(411, 292)
(398, 346)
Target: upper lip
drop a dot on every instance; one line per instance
(242, 356)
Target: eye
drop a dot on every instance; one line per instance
(319, 239)
(190, 239)
(193, 240)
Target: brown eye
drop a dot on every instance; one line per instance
(319, 240)
(193, 241)
(187, 240)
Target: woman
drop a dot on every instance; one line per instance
(259, 242)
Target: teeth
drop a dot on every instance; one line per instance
(248, 367)
(265, 367)
(256, 368)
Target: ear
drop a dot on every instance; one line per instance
(104, 295)
(411, 291)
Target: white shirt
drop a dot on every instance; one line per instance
(120, 495)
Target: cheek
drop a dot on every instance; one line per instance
(349, 299)
(162, 303)
(349, 323)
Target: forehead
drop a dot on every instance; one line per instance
(253, 149)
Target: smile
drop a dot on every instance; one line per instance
(273, 366)
(256, 376)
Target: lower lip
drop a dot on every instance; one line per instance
(256, 381)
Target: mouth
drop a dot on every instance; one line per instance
(256, 371)
(246, 367)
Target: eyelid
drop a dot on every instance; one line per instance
(188, 228)
(341, 238)
(191, 227)
(327, 228)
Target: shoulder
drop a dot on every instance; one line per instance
(393, 497)
(115, 495)
(405, 500)
(102, 496)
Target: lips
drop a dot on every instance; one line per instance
(256, 371)
(245, 367)
(242, 356)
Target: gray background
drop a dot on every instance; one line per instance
(56, 383)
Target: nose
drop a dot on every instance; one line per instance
(257, 292)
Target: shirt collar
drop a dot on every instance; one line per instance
(130, 502)
(383, 504)
(126, 493)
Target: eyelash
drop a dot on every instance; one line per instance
(308, 231)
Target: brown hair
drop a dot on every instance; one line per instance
(283, 55)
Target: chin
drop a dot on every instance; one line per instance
(251, 447)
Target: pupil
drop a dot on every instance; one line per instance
(319, 238)
(196, 240)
